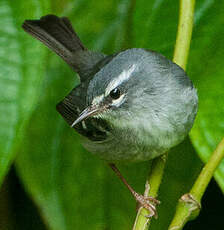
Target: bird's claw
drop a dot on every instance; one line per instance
(153, 200)
(149, 203)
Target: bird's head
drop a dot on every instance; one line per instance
(114, 88)
(137, 85)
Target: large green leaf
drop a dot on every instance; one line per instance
(72, 188)
(207, 71)
(20, 76)
(205, 64)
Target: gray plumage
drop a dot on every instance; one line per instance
(158, 110)
(139, 104)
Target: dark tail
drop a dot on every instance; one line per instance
(58, 34)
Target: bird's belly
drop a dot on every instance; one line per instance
(120, 150)
(134, 145)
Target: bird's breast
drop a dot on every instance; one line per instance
(128, 144)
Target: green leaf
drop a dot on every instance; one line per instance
(207, 71)
(205, 66)
(69, 183)
(72, 188)
(20, 76)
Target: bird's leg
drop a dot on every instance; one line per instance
(148, 203)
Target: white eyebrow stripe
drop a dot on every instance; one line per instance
(125, 75)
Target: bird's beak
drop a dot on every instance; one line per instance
(88, 112)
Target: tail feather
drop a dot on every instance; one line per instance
(58, 34)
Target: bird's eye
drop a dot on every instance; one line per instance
(115, 93)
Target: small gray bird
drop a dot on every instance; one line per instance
(130, 106)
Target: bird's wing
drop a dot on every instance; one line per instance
(70, 108)
(75, 102)
(58, 34)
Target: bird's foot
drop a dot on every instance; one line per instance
(149, 203)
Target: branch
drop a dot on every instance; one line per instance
(181, 51)
(189, 205)
(151, 189)
(185, 27)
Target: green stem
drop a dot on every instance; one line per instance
(185, 26)
(151, 189)
(181, 51)
(189, 205)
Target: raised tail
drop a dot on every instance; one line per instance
(58, 34)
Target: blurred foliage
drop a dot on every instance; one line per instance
(72, 188)
(20, 78)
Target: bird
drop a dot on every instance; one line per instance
(130, 106)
